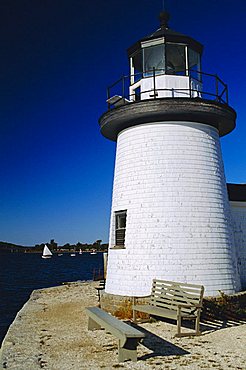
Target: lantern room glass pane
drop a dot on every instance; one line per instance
(137, 62)
(175, 59)
(154, 58)
(194, 64)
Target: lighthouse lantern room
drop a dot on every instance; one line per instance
(161, 65)
(170, 215)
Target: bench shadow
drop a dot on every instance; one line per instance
(211, 325)
(157, 345)
(218, 324)
(206, 325)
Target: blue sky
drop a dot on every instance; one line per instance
(57, 58)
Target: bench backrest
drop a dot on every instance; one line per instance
(170, 294)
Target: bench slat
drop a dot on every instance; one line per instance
(177, 297)
(190, 292)
(198, 287)
(171, 306)
(112, 324)
(172, 301)
(174, 307)
(162, 312)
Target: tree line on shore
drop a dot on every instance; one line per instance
(54, 247)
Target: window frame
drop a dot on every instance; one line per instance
(117, 228)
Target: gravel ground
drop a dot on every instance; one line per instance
(50, 332)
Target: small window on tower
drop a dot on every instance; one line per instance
(120, 228)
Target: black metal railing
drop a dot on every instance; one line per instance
(200, 85)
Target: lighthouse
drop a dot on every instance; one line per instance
(170, 214)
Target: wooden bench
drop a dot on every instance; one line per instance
(176, 301)
(127, 335)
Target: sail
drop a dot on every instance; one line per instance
(46, 251)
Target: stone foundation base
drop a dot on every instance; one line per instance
(223, 307)
(118, 305)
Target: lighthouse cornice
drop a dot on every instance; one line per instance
(215, 114)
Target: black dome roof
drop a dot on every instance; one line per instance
(169, 35)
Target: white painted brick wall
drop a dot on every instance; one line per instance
(170, 178)
(239, 227)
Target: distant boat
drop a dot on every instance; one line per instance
(80, 251)
(93, 251)
(60, 254)
(72, 254)
(46, 252)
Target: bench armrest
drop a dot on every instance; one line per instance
(189, 305)
(196, 307)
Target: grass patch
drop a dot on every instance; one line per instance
(124, 311)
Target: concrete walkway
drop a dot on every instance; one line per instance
(50, 332)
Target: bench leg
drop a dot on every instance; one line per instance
(98, 295)
(93, 325)
(197, 324)
(128, 351)
(133, 311)
(179, 326)
(189, 334)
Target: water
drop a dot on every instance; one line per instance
(21, 273)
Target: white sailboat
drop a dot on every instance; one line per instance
(93, 251)
(80, 251)
(46, 252)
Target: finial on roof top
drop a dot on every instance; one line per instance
(164, 18)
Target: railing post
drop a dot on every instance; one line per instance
(227, 98)
(217, 87)
(190, 85)
(108, 97)
(123, 87)
(154, 82)
(172, 92)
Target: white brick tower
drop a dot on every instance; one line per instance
(170, 215)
